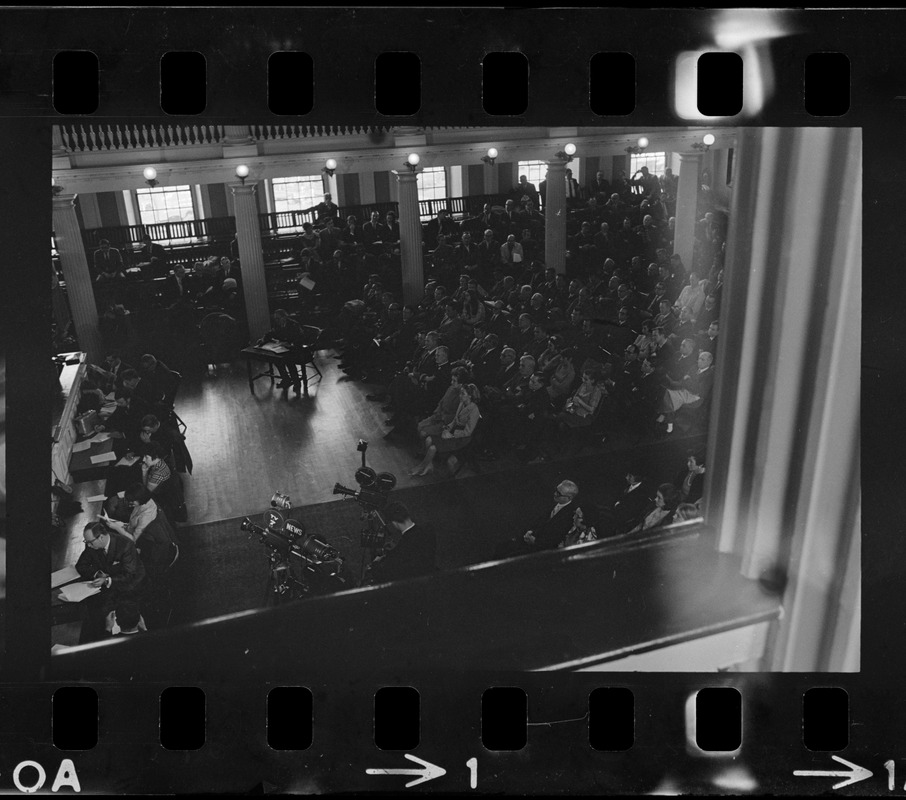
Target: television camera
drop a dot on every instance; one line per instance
(373, 495)
(301, 564)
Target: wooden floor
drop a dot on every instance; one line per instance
(245, 446)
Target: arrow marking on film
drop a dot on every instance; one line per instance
(428, 772)
(853, 775)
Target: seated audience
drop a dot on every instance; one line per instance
(455, 435)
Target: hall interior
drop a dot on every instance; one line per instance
(248, 444)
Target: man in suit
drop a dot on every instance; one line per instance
(375, 230)
(467, 256)
(415, 553)
(599, 188)
(110, 563)
(549, 529)
(524, 189)
(625, 512)
(326, 209)
(107, 259)
(163, 381)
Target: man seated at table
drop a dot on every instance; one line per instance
(154, 256)
(110, 376)
(289, 332)
(146, 398)
(110, 562)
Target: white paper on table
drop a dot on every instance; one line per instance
(126, 462)
(98, 498)
(78, 447)
(307, 283)
(275, 347)
(62, 576)
(77, 592)
(103, 458)
(100, 437)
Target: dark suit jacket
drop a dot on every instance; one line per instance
(413, 556)
(626, 511)
(120, 562)
(550, 531)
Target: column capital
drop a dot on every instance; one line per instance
(690, 157)
(406, 175)
(557, 165)
(63, 201)
(248, 188)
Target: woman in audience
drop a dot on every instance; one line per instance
(447, 407)
(473, 311)
(586, 518)
(456, 434)
(562, 379)
(662, 512)
(580, 409)
(164, 486)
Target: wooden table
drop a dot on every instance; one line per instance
(270, 358)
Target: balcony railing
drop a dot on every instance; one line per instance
(113, 137)
(107, 138)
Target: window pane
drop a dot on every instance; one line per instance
(534, 171)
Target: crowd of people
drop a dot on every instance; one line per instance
(501, 353)
(131, 546)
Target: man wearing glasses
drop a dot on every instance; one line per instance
(111, 563)
(550, 529)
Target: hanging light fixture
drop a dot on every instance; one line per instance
(567, 153)
(412, 161)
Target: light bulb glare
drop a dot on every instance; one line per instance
(242, 171)
(413, 159)
(331, 163)
(150, 173)
(708, 139)
(643, 142)
(570, 149)
(492, 152)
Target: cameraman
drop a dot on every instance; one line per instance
(414, 554)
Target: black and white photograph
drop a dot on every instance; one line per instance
(475, 398)
(401, 379)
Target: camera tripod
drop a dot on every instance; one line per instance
(374, 537)
(282, 586)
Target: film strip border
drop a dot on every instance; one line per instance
(600, 66)
(713, 734)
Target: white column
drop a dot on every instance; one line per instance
(410, 236)
(687, 206)
(491, 178)
(251, 258)
(79, 288)
(555, 216)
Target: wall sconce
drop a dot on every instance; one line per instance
(705, 144)
(567, 153)
(412, 161)
(491, 157)
(150, 176)
(639, 146)
(242, 172)
(330, 166)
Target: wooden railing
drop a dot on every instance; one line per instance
(116, 136)
(106, 138)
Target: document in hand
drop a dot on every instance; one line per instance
(77, 592)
